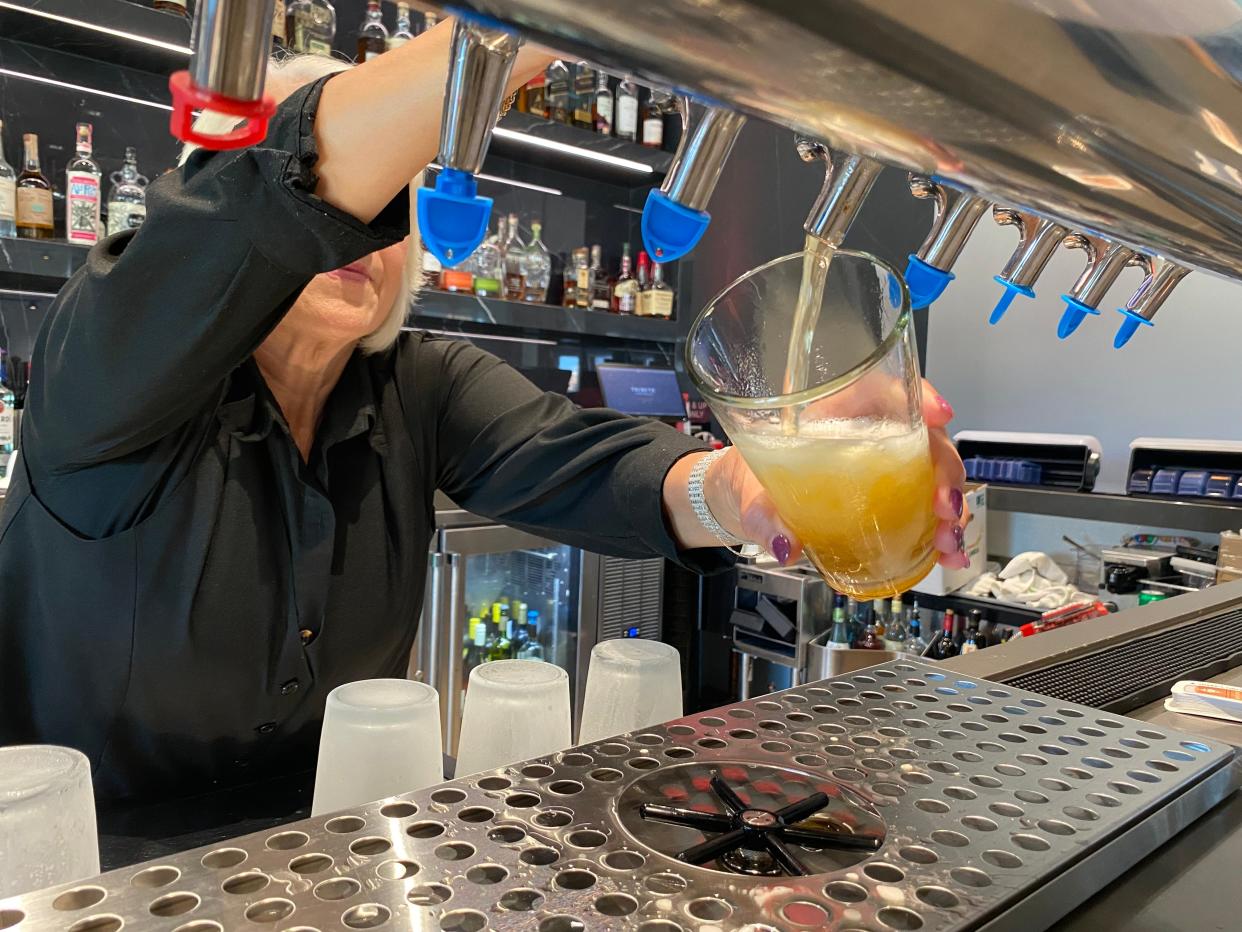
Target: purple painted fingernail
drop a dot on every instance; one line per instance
(957, 501)
(781, 548)
(957, 536)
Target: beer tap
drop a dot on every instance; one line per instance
(453, 218)
(1145, 302)
(956, 212)
(846, 184)
(1105, 261)
(675, 217)
(1038, 239)
(226, 74)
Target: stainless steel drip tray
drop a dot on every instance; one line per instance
(897, 797)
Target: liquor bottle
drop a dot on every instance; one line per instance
(279, 23)
(840, 638)
(879, 617)
(643, 274)
(8, 417)
(8, 193)
(127, 202)
(430, 18)
(945, 647)
(625, 291)
(536, 96)
(82, 194)
(488, 266)
(915, 642)
(532, 649)
(627, 110)
(870, 640)
(895, 630)
(651, 118)
(601, 292)
(656, 300)
(311, 26)
(559, 82)
(180, 7)
(583, 95)
(519, 639)
(976, 618)
(536, 267)
(34, 194)
(569, 278)
(402, 34)
(514, 249)
(582, 287)
(602, 105)
(971, 643)
(372, 33)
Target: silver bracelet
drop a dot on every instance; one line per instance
(699, 503)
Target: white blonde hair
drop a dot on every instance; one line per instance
(284, 76)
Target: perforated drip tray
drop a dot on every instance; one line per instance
(898, 797)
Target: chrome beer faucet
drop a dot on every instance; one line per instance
(675, 217)
(1038, 239)
(1105, 262)
(452, 217)
(955, 215)
(1149, 298)
(847, 180)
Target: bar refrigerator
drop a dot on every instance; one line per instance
(580, 598)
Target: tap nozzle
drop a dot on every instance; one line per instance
(452, 218)
(226, 73)
(1105, 262)
(847, 180)
(675, 217)
(1149, 298)
(1038, 239)
(955, 214)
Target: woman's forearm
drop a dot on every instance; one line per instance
(378, 124)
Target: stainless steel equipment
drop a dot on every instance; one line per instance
(777, 612)
(581, 598)
(847, 181)
(912, 797)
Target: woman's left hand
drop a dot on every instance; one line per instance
(743, 507)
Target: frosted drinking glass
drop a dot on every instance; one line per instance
(47, 818)
(515, 710)
(380, 738)
(631, 683)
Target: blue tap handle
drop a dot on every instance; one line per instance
(1075, 313)
(925, 282)
(670, 230)
(1006, 299)
(1129, 327)
(452, 218)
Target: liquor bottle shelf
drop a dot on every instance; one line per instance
(38, 266)
(436, 307)
(527, 138)
(113, 31)
(1180, 514)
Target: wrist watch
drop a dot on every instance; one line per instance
(699, 502)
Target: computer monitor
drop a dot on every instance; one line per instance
(641, 390)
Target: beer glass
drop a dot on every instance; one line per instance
(380, 738)
(631, 683)
(841, 446)
(515, 709)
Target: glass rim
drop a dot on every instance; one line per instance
(815, 392)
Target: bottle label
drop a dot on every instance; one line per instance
(627, 116)
(123, 215)
(486, 287)
(395, 42)
(599, 303)
(8, 199)
(584, 279)
(603, 111)
(278, 20)
(653, 131)
(7, 437)
(456, 280)
(82, 197)
(318, 46)
(626, 302)
(659, 302)
(371, 53)
(34, 208)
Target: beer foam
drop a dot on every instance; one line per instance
(889, 433)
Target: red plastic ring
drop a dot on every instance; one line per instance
(188, 97)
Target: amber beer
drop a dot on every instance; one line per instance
(860, 501)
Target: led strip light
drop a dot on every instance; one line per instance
(83, 24)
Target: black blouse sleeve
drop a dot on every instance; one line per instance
(588, 477)
(142, 338)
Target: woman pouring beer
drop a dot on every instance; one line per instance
(231, 448)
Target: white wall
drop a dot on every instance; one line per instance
(1179, 379)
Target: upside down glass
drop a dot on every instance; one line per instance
(845, 458)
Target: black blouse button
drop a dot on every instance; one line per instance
(266, 728)
(289, 688)
(307, 635)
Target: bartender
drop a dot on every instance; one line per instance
(230, 452)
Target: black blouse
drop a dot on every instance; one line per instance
(179, 590)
